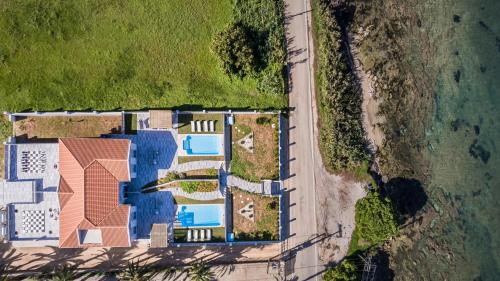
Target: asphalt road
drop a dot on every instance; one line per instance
(302, 244)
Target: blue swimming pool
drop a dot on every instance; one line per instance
(201, 215)
(202, 145)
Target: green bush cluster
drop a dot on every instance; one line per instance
(375, 219)
(339, 101)
(5, 128)
(234, 49)
(189, 186)
(345, 271)
(254, 44)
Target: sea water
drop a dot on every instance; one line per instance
(463, 146)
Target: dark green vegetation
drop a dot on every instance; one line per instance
(234, 50)
(347, 270)
(122, 54)
(130, 123)
(254, 44)
(5, 128)
(5, 132)
(375, 222)
(218, 235)
(198, 186)
(342, 142)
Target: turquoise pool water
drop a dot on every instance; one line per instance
(202, 215)
(201, 145)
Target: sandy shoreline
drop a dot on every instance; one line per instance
(370, 104)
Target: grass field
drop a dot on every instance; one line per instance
(53, 127)
(107, 55)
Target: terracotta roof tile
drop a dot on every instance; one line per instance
(92, 170)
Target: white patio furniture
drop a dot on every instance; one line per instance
(212, 126)
(202, 234)
(192, 126)
(189, 235)
(209, 234)
(198, 126)
(205, 126)
(195, 234)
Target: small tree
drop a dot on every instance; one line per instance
(135, 272)
(234, 49)
(64, 273)
(345, 271)
(200, 272)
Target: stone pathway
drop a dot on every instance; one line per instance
(202, 196)
(245, 185)
(197, 165)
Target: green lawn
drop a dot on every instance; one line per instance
(105, 55)
(130, 123)
(186, 118)
(218, 235)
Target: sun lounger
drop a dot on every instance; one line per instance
(205, 126)
(189, 235)
(195, 234)
(212, 127)
(209, 234)
(202, 234)
(192, 126)
(198, 126)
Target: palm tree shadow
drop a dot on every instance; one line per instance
(8, 257)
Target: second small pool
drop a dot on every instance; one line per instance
(200, 215)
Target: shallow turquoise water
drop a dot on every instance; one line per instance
(463, 241)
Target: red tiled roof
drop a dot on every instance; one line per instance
(91, 170)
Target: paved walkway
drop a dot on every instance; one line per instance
(243, 184)
(202, 196)
(198, 165)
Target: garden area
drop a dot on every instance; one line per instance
(255, 217)
(184, 120)
(5, 132)
(108, 55)
(255, 149)
(53, 127)
(178, 200)
(205, 174)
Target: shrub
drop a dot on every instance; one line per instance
(263, 120)
(234, 49)
(375, 218)
(339, 100)
(5, 128)
(345, 271)
(189, 186)
(271, 80)
(212, 172)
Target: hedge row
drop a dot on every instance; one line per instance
(339, 100)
